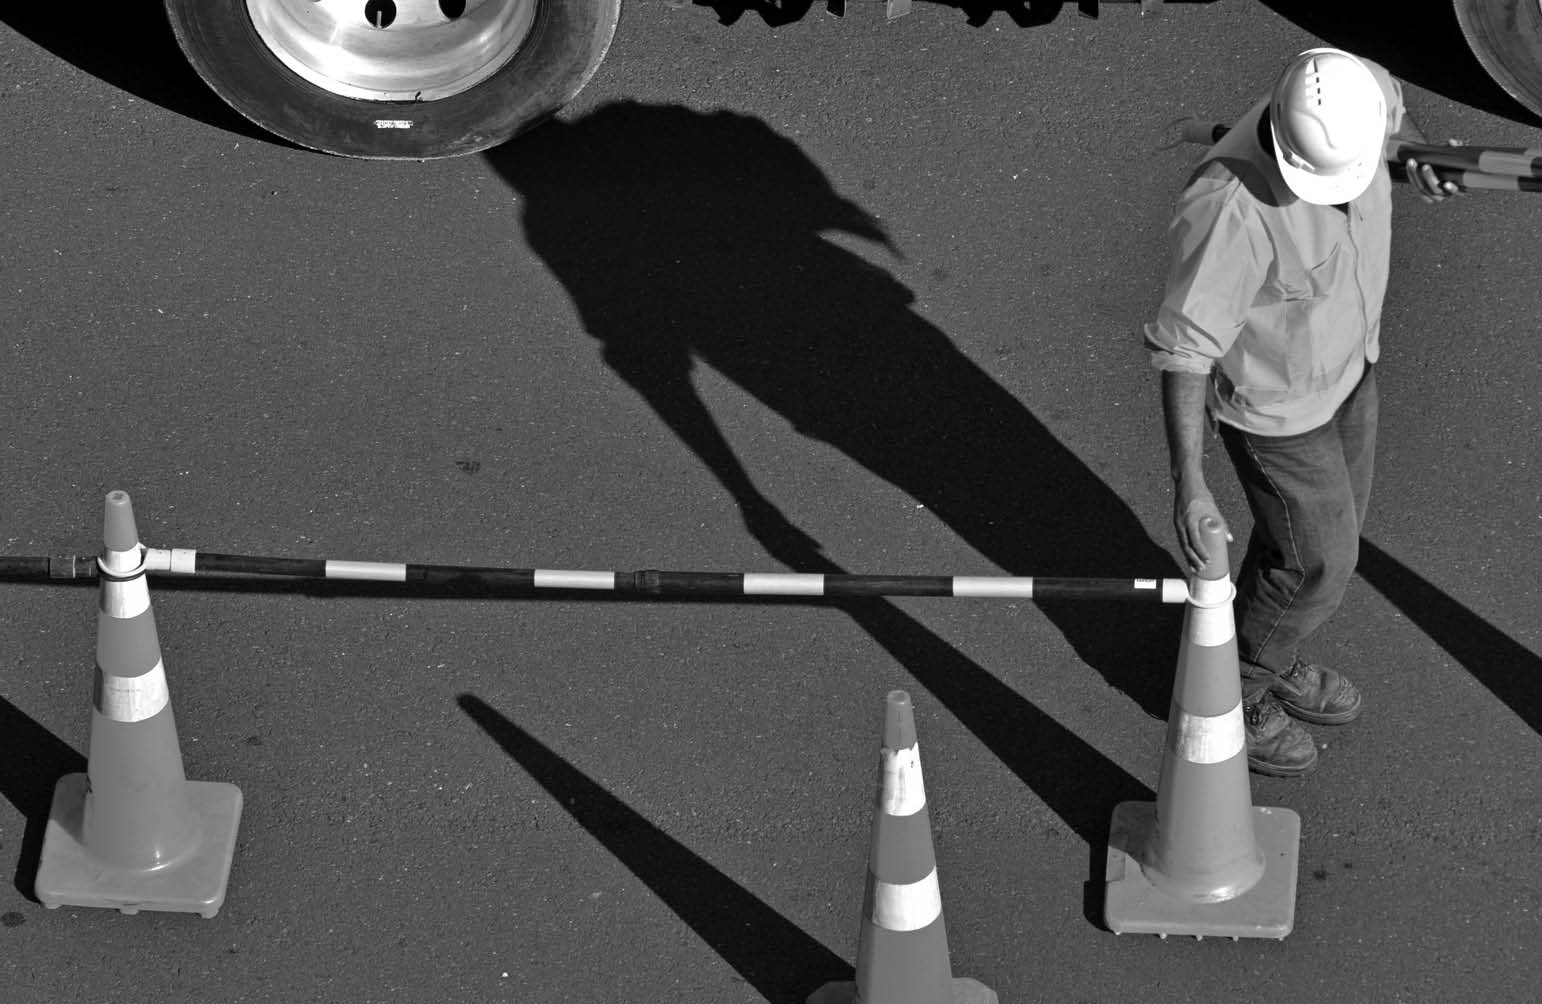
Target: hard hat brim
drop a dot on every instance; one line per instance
(1326, 189)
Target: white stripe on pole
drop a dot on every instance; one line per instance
(783, 584)
(1208, 738)
(903, 792)
(177, 560)
(998, 585)
(906, 907)
(131, 698)
(374, 571)
(558, 579)
(1175, 591)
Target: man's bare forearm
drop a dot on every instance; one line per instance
(1183, 413)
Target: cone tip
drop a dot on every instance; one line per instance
(899, 724)
(118, 530)
(1213, 530)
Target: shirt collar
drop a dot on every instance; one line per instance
(1248, 147)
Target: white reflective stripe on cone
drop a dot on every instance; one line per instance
(907, 907)
(377, 571)
(544, 578)
(126, 598)
(904, 793)
(131, 698)
(783, 584)
(1210, 627)
(1209, 738)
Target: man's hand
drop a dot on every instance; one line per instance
(1191, 504)
(1424, 180)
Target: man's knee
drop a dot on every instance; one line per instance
(1329, 573)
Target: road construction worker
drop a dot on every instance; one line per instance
(1270, 326)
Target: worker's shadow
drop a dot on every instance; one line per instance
(684, 236)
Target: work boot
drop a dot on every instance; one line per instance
(1316, 694)
(1277, 746)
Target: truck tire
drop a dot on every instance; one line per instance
(395, 79)
(1506, 36)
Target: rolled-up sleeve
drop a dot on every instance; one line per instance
(1215, 274)
(1393, 91)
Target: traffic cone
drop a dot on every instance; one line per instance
(132, 833)
(1203, 860)
(902, 950)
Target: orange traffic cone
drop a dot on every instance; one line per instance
(902, 951)
(132, 833)
(1204, 860)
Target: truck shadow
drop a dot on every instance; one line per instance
(1419, 41)
(130, 46)
(977, 13)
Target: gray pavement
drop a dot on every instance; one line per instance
(831, 294)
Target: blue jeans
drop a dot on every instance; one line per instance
(1308, 494)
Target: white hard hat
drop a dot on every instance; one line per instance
(1328, 116)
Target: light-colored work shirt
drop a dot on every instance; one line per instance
(1278, 299)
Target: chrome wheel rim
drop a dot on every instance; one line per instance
(393, 50)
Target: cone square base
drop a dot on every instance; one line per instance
(68, 875)
(1132, 905)
(965, 991)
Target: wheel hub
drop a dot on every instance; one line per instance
(393, 50)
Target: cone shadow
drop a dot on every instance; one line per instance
(32, 759)
(1078, 783)
(1070, 775)
(771, 953)
(1511, 672)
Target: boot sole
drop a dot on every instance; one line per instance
(1275, 770)
(1319, 717)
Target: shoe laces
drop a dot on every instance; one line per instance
(1257, 712)
(1298, 669)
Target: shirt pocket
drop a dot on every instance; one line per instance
(1310, 282)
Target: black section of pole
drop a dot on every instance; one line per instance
(651, 582)
(1094, 589)
(251, 564)
(470, 577)
(888, 585)
(57, 567)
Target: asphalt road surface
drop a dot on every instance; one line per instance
(828, 294)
